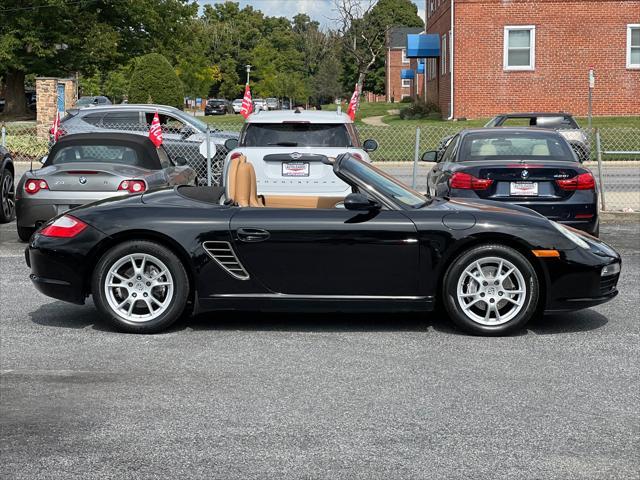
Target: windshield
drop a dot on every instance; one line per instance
(495, 145)
(297, 135)
(191, 120)
(98, 153)
(382, 182)
(85, 101)
(557, 122)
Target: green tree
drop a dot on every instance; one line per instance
(363, 28)
(154, 81)
(59, 38)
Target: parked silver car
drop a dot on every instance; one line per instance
(87, 167)
(183, 134)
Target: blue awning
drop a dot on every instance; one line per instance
(426, 45)
(407, 74)
(421, 67)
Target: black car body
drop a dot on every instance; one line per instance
(218, 107)
(498, 163)
(7, 186)
(383, 248)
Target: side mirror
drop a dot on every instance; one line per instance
(360, 202)
(430, 156)
(231, 143)
(180, 161)
(370, 145)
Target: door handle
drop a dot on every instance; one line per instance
(252, 234)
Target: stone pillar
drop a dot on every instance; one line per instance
(47, 101)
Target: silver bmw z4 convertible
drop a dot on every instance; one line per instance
(86, 167)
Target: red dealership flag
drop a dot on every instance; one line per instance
(55, 129)
(247, 104)
(155, 132)
(353, 104)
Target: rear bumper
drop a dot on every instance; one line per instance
(31, 212)
(60, 267)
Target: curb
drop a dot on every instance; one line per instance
(626, 217)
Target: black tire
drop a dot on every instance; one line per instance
(467, 259)
(24, 233)
(176, 304)
(7, 197)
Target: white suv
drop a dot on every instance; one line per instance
(286, 149)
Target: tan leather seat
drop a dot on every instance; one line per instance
(232, 176)
(540, 149)
(246, 188)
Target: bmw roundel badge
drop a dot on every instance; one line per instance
(82, 180)
(524, 174)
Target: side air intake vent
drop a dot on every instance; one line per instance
(223, 254)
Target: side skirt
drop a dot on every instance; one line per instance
(315, 303)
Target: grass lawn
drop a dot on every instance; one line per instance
(228, 119)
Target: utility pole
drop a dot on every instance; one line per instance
(592, 84)
(248, 72)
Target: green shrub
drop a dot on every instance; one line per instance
(154, 81)
(406, 100)
(420, 110)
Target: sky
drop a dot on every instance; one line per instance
(320, 10)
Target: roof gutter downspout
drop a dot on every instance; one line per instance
(451, 59)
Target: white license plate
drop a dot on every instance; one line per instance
(524, 189)
(295, 169)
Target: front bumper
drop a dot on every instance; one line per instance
(574, 280)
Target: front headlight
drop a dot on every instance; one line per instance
(611, 269)
(570, 235)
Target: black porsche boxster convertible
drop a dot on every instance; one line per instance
(148, 259)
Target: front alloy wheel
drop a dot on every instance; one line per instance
(491, 290)
(140, 286)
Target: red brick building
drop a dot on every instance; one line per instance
(396, 61)
(534, 55)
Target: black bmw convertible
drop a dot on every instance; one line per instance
(149, 259)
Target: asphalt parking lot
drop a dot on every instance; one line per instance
(249, 395)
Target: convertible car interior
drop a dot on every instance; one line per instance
(242, 190)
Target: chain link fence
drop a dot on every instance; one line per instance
(613, 154)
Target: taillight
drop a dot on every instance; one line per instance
(466, 181)
(64, 227)
(133, 186)
(34, 185)
(235, 155)
(584, 181)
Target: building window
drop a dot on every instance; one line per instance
(520, 48)
(633, 46)
(443, 55)
(404, 95)
(406, 83)
(404, 56)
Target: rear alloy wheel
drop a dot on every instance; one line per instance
(140, 286)
(491, 290)
(7, 197)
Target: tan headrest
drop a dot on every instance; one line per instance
(487, 150)
(232, 174)
(540, 149)
(243, 185)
